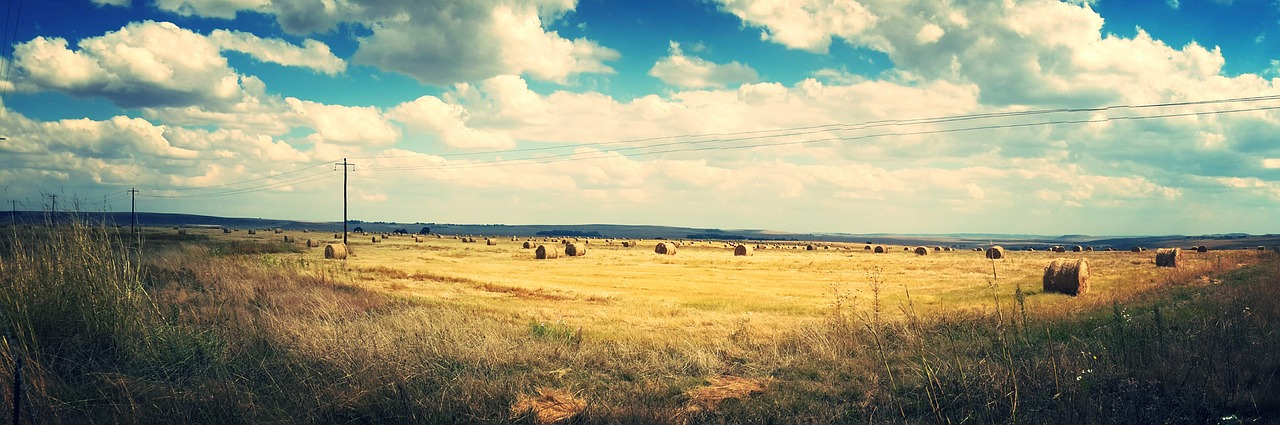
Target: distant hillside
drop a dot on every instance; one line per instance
(620, 231)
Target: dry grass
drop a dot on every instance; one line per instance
(549, 406)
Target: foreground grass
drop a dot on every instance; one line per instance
(201, 331)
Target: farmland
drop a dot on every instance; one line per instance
(230, 327)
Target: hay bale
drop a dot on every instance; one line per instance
(628, 244)
(1262, 248)
(312, 243)
(335, 251)
(1202, 248)
(1168, 257)
(417, 239)
(226, 230)
(995, 252)
(544, 253)
(920, 250)
(376, 240)
(527, 245)
(906, 248)
(279, 230)
(1059, 249)
(1135, 249)
(1088, 249)
(490, 242)
(182, 231)
(809, 247)
(742, 251)
(253, 232)
(1077, 248)
(1069, 277)
(866, 248)
(937, 249)
(665, 248)
(288, 239)
(575, 249)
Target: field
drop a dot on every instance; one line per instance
(211, 327)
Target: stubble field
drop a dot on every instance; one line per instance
(214, 327)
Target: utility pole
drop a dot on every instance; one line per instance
(13, 213)
(345, 165)
(133, 209)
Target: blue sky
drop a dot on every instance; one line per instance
(862, 116)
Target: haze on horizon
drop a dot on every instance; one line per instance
(1017, 117)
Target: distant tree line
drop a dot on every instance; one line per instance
(570, 233)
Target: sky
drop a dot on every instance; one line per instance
(1044, 117)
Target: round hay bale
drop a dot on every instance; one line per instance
(1202, 248)
(1069, 277)
(279, 230)
(253, 232)
(937, 249)
(575, 249)
(1059, 249)
(628, 244)
(742, 251)
(866, 248)
(1135, 249)
(288, 239)
(527, 245)
(490, 242)
(809, 247)
(1110, 250)
(1262, 248)
(312, 243)
(906, 248)
(995, 252)
(920, 250)
(1088, 249)
(544, 253)
(1077, 248)
(665, 248)
(182, 231)
(1168, 257)
(226, 230)
(376, 240)
(335, 251)
(417, 239)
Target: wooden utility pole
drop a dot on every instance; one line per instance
(133, 209)
(345, 165)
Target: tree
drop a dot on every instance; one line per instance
(425, 231)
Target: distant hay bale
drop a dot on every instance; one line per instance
(279, 230)
(937, 249)
(253, 232)
(810, 247)
(544, 253)
(490, 242)
(1088, 249)
(920, 250)
(1168, 257)
(880, 249)
(527, 245)
(665, 248)
(312, 243)
(906, 248)
(182, 231)
(742, 251)
(376, 240)
(1202, 248)
(1069, 277)
(628, 244)
(1059, 249)
(1135, 249)
(1110, 250)
(306, 231)
(1262, 248)
(866, 248)
(417, 239)
(995, 252)
(288, 239)
(1077, 248)
(1031, 249)
(575, 249)
(335, 251)
(226, 230)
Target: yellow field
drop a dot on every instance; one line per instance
(705, 291)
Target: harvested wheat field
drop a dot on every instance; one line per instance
(441, 330)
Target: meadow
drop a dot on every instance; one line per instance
(216, 327)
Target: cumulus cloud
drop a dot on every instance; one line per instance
(692, 72)
(225, 9)
(437, 42)
(312, 54)
(805, 24)
(119, 3)
(160, 65)
(344, 125)
(449, 123)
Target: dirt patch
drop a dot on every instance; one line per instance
(707, 398)
(549, 406)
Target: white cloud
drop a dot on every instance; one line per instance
(449, 122)
(804, 24)
(145, 64)
(344, 125)
(930, 33)
(119, 3)
(225, 9)
(313, 54)
(691, 72)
